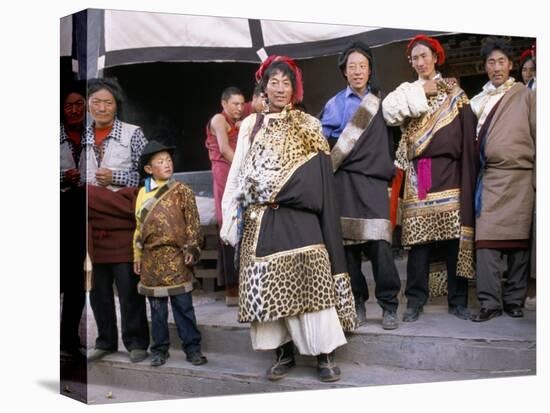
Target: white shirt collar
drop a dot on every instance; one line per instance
(154, 184)
(436, 77)
(489, 87)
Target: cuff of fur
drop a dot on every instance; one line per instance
(466, 253)
(229, 231)
(195, 252)
(438, 279)
(466, 263)
(345, 304)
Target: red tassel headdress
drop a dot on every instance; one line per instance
(433, 44)
(528, 54)
(298, 94)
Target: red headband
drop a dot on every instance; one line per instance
(527, 54)
(298, 94)
(434, 45)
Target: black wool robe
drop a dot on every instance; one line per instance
(291, 254)
(363, 169)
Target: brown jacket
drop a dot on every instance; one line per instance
(508, 190)
(169, 228)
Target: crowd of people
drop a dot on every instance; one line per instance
(300, 200)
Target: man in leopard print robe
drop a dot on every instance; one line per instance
(294, 288)
(436, 157)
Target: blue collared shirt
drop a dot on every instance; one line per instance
(338, 111)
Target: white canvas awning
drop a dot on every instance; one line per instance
(126, 37)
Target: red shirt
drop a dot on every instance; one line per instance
(211, 142)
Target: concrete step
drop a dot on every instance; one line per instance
(438, 347)
(229, 374)
(437, 341)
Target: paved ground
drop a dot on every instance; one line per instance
(434, 328)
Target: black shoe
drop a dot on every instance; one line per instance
(460, 312)
(327, 368)
(98, 354)
(283, 363)
(360, 310)
(159, 358)
(412, 314)
(485, 314)
(138, 354)
(196, 358)
(513, 310)
(389, 320)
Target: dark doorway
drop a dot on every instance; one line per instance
(172, 102)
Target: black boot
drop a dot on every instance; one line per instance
(283, 363)
(327, 368)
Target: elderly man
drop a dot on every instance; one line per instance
(505, 189)
(436, 155)
(221, 141)
(112, 149)
(361, 157)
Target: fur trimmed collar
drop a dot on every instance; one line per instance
(358, 123)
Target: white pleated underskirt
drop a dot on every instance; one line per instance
(312, 333)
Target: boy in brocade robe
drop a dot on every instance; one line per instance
(166, 246)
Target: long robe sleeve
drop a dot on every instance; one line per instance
(407, 101)
(192, 225)
(330, 218)
(533, 128)
(332, 235)
(228, 231)
(469, 170)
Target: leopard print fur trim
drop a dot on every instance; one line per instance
(285, 143)
(435, 218)
(466, 264)
(437, 226)
(466, 254)
(437, 279)
(283, 284)
(287, 285)
(438, 272)
(345, 303)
